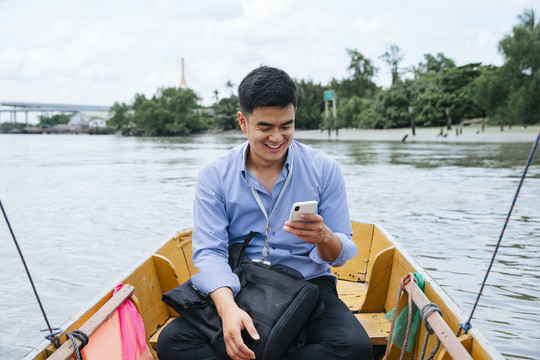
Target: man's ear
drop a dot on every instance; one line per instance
(242, 121)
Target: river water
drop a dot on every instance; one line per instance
(85, 209)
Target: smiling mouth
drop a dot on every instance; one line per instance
(274, 147)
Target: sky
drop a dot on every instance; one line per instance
(100, 52)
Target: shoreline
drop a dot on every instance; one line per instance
(469, 134)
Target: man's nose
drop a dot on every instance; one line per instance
(275, 135)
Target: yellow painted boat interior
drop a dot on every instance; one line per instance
(368, 284)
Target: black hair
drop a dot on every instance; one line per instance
(267, 86)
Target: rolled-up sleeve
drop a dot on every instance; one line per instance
(210, 237)
(348, 251)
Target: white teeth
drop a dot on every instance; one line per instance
(273, 147)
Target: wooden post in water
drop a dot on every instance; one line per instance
(411, 114)
(448, 118)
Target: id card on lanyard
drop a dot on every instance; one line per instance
(265, 251)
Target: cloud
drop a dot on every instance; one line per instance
(57, 32)
(483, 46)
(371, 25)
(11, 62)
(484, 39)
(106, 51)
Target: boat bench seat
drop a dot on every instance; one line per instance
(153, 338)
(376, 326)
(353, 295)
(367, 273)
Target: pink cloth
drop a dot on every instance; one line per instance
(131, 330)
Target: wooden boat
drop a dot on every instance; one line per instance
(368, 284)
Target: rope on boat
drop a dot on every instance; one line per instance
(467, 325)
(404, 281)
(82, 337)
(425, 312)
(53, 332)
(53, 336)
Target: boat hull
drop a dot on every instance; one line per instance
(368, 284)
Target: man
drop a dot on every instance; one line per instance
(252, 188)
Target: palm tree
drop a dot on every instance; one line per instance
(393, 57)
(528, 19)
(229, 86)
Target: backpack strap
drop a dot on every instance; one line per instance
(237, 250)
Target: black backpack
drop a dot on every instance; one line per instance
(277, 298)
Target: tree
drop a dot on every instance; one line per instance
(360, 66)
(458, 88)
(490, 93)
(309, 114)
(510, 94)
(357, 112)
(230, 87)
(11, 127)
(393, 57)
(122, 117)
(392, 106)
(360, 83)
(433, 65)
(49, 121)
(171, 111)
(527, 18)
(225, 112)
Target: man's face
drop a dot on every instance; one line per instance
(269, 130)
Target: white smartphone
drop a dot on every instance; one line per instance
(304, 207)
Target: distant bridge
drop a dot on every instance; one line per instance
(26, 107)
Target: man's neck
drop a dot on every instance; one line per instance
(266, 172)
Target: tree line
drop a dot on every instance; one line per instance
(433, 90)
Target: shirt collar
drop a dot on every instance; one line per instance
(245, 150)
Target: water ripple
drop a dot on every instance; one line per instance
(113, 200)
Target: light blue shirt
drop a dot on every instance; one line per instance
(225, 211)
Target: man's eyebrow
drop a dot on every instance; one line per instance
(262, 123)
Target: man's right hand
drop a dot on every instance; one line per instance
(234, 320)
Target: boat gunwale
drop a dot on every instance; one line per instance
(450, 303)
(41, 347)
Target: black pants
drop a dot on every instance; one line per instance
(336, 334)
